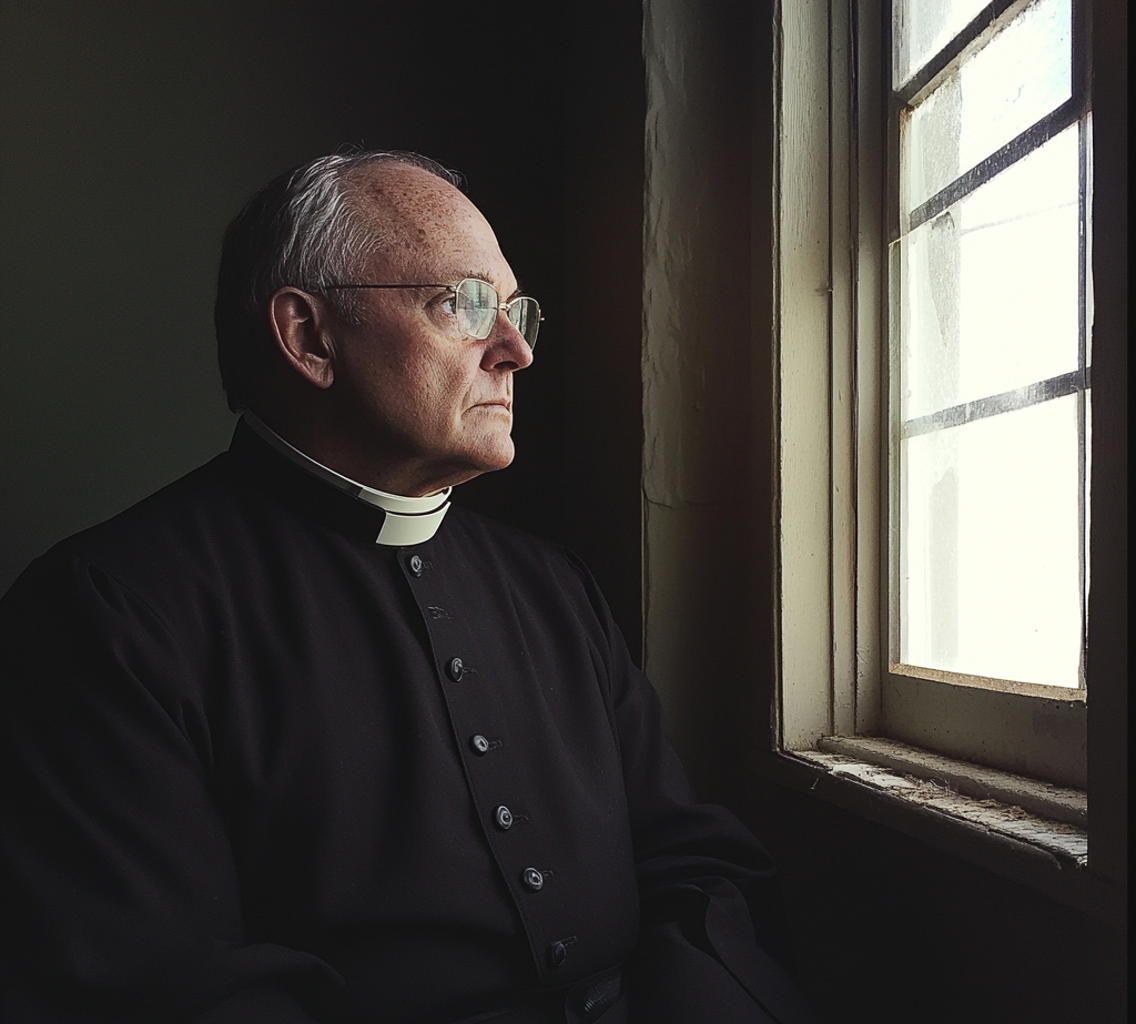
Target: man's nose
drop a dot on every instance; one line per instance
(506, 345)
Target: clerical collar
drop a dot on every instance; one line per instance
(407, 521)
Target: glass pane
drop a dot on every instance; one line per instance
(1019, 76)
(991, 553)
(922, 29)
(990, 286)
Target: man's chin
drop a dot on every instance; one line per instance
(500, 459)
(486, 460)
(496, 455)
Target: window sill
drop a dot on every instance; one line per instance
(930, 802)
(1050, 804)
(997, 802)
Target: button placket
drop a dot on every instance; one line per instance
(456, 617)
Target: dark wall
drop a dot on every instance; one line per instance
(133, 132)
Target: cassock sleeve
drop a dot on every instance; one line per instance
(122, 901)
(713, 943)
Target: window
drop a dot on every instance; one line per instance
(992, 389)
(787, 567)
(936, 386)
(991, 308)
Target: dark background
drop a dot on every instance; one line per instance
(131, 133)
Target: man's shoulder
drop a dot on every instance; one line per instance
(504, 540)
(533, 562)
(205, 490)
(152, 531)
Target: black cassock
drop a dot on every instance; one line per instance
(259, 769)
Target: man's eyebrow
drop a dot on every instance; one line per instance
(483, 275)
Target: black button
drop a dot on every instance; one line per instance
(532, 878)
(479, 743)
(504, 818)
(455, 669)
(417, 566)
(557, 953)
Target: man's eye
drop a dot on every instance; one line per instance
(450, 305)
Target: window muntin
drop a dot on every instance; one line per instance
(921, 29)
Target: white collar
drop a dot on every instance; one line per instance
(408, 521)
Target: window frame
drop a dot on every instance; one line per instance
(836, 555)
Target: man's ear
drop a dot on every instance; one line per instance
(300, 328)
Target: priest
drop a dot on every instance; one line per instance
(298, 739)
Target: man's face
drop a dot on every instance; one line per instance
(427, 406)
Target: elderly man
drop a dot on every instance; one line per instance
(295, 739)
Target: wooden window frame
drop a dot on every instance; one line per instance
(834, 545)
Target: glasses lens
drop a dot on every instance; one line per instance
(524, 315)
(476, 307)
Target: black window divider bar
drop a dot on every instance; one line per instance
(937, 64)
(1056, 121)
(994, 405)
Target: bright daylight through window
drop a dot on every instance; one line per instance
(991, 312)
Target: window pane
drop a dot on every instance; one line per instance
(991, 285)
(990, 557)
(922, 29)
(1019, 76)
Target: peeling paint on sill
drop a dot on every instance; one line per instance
(1067, 842)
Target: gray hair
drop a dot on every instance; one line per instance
(306, 229)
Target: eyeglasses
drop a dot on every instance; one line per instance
(476, 305)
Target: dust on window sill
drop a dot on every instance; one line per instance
(1045, 816)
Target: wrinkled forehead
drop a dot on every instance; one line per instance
(427, 229)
